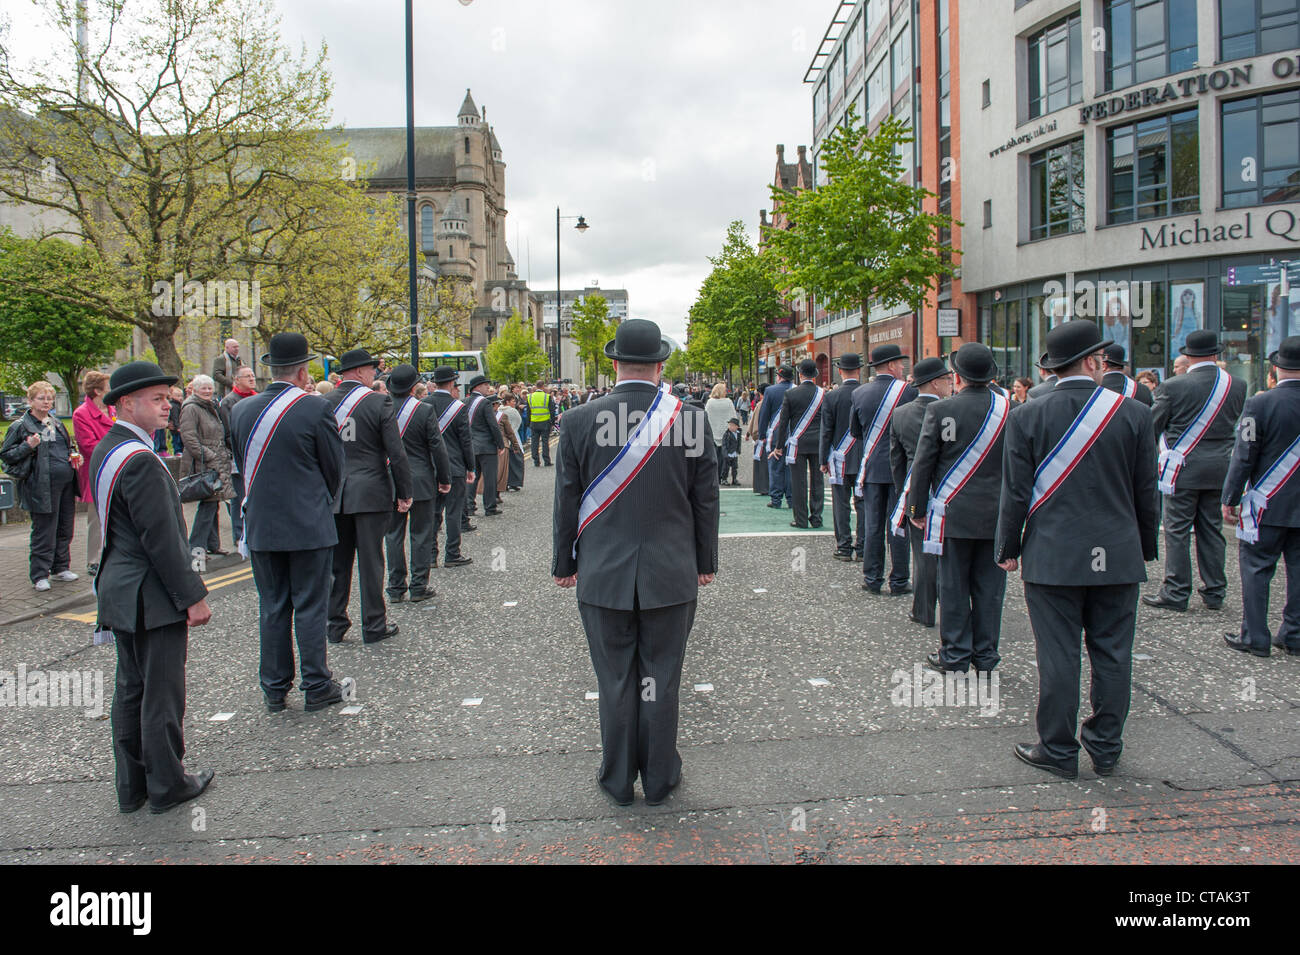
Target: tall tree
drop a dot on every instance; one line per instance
(592, 329)
(514, 354)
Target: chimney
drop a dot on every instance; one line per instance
(803, 153)
(762, 217)
(780, 152)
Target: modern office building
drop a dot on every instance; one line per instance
(1132, 161)
(558, 337)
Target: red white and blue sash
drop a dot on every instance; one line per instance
(106, 480)
(966, 465)
(898, 517)
(771, 432)
(473, 406)
(1174, 457)
(1130, 387)
(343, 410)
(839, 456)
(449, 414)
(792, 440)
(879, 426)
(758, 450)
(1256, 497)
(1074, 444)
(258, 440)
(405, 413)
(631, 458)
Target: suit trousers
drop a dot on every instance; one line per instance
(516, 476)
(807, 488)
(360, 536)
(1258, 562)
(148, 712)
(778, 481)
(637, 655)
(487, 471)
(420, 519)
(842, 498)
(51, 540)
(1184, 511)
(449, 509)
(760, 476)
(878, 502)
(971, 588)
(1106, 615)
(294, 591)
(925, 579)
(542, 440)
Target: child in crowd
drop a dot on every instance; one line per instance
(731, 451)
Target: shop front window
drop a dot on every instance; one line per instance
(1245, 331)
(1147, 348)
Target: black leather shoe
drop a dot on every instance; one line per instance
(775, 506)
(870, 589)
(274, 704)
(457, 561)
(468, 528)
(127, 808)
(389, 631)
(905, 589)
(621, 801)
(396, 598)
(334, 639)
(934, 663)
(1104, 767)
(421, 597)
(1238, 642)
(803, 527)
(847, 558)
(1212, 604)
(1285, 649)
(494, 512)
(1162, 602)
(332, 695)
(915, 619)
(197, 783)
(812, 523)
(1034, 756)
(660, 800)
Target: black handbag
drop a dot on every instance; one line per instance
(201, 485)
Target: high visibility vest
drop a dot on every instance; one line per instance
(539, 407)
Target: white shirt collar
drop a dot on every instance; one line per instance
(1202, 364)
(143, 435)
(926, 394)
(639, 381)
(1061, 381)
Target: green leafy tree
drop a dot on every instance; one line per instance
(40, 334)
(514, 354)
(861, 237)
(592, 330)
(675, 366)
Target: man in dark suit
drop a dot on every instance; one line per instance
(1045, 386)
(1082, 525)
(1266, 457)
(286, 442)
(653, 541)
(933, 381)
(449, 508)
(778, 475)
(1116, 380)
(873, 407)
(1182, 407)
(430, 475)
(148, 593)
(488, 440)
(226, 366)
(954, 491)
(841, 455)
(375, 464)
(798, 438)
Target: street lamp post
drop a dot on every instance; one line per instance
(559, 291)
(410, 189)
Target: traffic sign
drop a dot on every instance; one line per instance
(1262, 274)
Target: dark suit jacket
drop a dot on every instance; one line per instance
(866, 401)
(973, 513)
(837, 410)
(1276, 416)
(639, 549)
(223, 381)
(773, 396)
(483, 428)
(904, 432)
(1114, 380)
(1177, 401)
(1108, 501)
(426, 453)
(459, 444)
(793, 405)
(1044, 387)
(294, 490)
(375, 471)
(146, 555)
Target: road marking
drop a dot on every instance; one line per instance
(215, 583)
(819, 681)
(89, 617)
(592, 695)
(220, 717)
(471, 701)
(791, 533)
(703, 687)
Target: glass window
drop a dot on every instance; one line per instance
(878, 87)
(821, 105)
(903, 113)
(877, 13)
(1147, 39)
(1056, 190)
(836, 77)
(426, 228)
(853, 44)
(1251, 27)
(1261, 149)
(1154, 167)
(1056, 67)
(902, 56)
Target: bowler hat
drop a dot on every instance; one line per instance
(808, 368)
(1287, 356)
(1070, 342)
(927, 370)
(786, 372)
(478, 380)
(1201, 344)
(851, 361)
(1114, 354)
(132, 377)
(288, 348)
(883, 354)
(638, 340)
(356, 358)
(402, 379)
(443, 374)
(494, 399)
(974, 362)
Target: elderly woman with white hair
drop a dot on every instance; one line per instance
(206, 447)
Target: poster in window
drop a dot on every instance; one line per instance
(1281, 316)
(1185, 314)
(1115, 317)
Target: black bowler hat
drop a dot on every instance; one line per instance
(288, 348)
(851, 361)
(478, 380)
(885, 353)
(495, 399)
(356, 358)
(974, 362)
(443, 374)
(1070, 342)
(1201, 344)
(1287, 356)
(132, 377)
(927, 370)
(808, 368)
(402, 379)
(638, 340)
(1114, 354)
(786, 372)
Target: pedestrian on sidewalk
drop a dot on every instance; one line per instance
(516, 444)
(731, 453)
(245, 386)
(37, 453)
(760, 455)
(206, 448)
(90, 422)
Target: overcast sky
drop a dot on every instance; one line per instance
(658, 121)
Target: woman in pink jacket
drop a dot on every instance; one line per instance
(90, 422)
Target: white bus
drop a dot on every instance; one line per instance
(468, 364)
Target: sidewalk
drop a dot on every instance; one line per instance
(20, 601)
